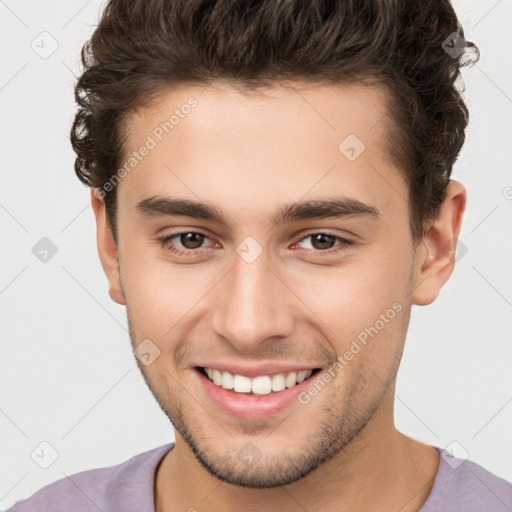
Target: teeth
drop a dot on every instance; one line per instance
(291, 379)
(217, 377)
(227, 380)
(300, 375)
(261, 385)
(278, 382)
(241, 384)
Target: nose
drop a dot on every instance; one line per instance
(254, 306)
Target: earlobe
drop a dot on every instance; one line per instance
(435, 256)
(107, 250)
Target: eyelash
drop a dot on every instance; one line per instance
(343, 245)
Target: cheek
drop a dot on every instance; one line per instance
(160, 294)
(353, 294)
(360, 304)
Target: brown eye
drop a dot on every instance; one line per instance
(325, 244)
(191, 240)
(186, 243)
(322, 241)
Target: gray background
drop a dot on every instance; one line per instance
(67, 373)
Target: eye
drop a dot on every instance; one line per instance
(324, 243)
(190, 241)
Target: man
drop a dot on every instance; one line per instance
(271, 186)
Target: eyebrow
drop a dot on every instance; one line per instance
(315, 209)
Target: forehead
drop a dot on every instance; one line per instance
(310, 112)
(282, 142)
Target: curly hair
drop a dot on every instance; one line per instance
(142, 47)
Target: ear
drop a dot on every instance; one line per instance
(107, 249)
(435, 255)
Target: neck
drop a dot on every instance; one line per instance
(380, 469)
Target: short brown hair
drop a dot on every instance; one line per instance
(140, 47)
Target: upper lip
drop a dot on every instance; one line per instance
(255, 370)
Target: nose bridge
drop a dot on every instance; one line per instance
(254, 305)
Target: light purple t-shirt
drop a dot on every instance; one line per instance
(460, 486)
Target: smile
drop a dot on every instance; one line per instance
(259, 385)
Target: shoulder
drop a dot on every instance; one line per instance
(120, 487)
(465, 486)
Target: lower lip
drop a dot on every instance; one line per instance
(252, 407)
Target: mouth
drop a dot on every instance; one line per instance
(252, 399)
(256, 386)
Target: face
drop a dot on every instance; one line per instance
(257, 287)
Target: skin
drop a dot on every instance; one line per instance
(249, 155)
